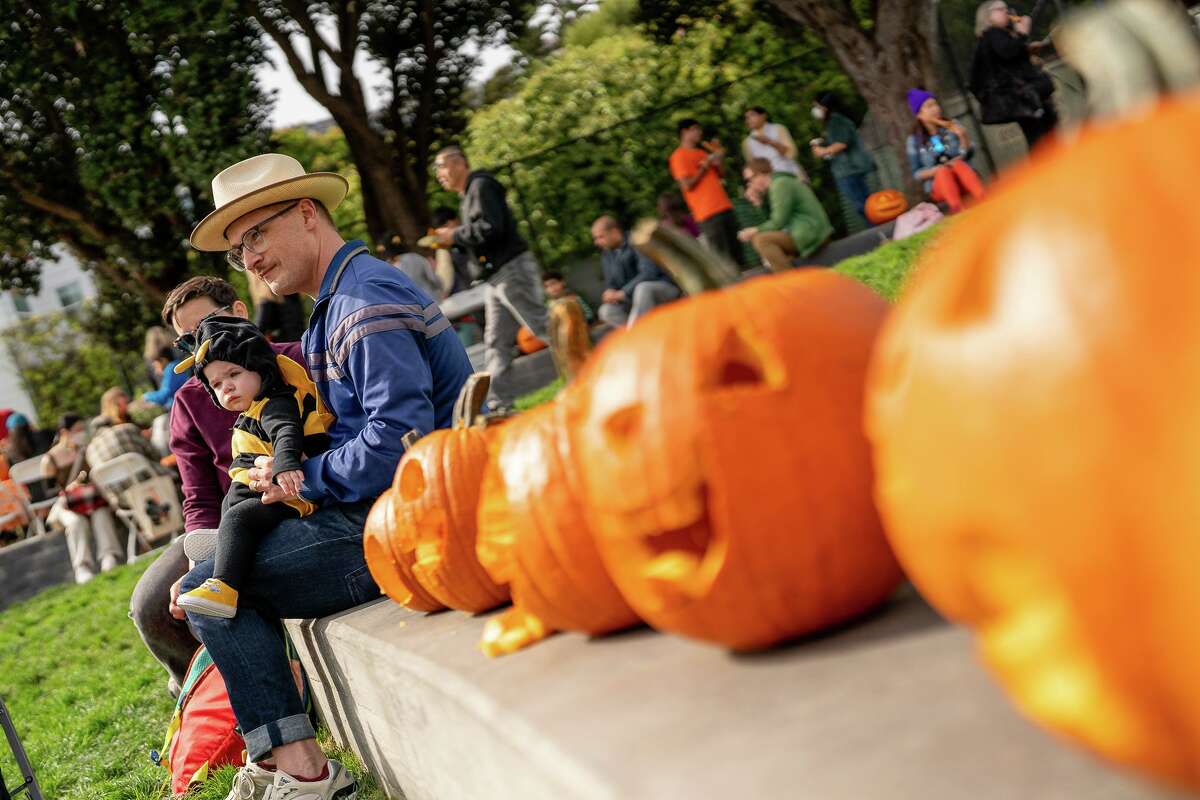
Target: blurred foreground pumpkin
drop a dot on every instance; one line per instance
(534, 535)
(885, 205)
(726, 473)
(1033, 408)
(429, 519)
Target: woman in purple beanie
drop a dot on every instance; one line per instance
(938, 150)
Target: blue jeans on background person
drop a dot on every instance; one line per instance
(305, 568)
(857, 190)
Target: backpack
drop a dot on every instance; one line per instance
(203, 735)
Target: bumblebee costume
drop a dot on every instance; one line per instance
(286, 419)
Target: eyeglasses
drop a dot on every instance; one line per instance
(187, 341)
(253, 240)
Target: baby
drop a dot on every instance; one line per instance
(281, 416)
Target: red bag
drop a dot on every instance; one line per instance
(203, 734)
(84, 498)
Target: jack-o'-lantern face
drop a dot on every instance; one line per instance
(1033, 413)
(392, 565)
(721, 447)
(885, 205)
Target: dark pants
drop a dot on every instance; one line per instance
(169, 640)
(245, 520)
(720, 232)
(1035, 129)
(857, 190)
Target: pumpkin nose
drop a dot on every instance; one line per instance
(624, 424)
(412, 481)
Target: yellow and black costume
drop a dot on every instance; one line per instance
(286, 419)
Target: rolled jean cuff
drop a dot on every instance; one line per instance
(263, 739)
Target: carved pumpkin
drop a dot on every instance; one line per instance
(727, 475)
(1033, 413)
(391, 566)
(534, 535)
(434, 503)
(528, 343)
(885, 205)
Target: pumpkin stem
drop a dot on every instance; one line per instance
(1130, 52)
(470, 400)
(695, 268)
(570, 341)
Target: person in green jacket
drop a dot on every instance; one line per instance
(798, 226)
(849, 161)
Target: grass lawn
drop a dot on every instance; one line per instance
(87, 698)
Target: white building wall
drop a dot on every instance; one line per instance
(64, 284)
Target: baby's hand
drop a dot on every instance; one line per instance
(290, 482)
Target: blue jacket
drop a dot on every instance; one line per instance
(624, 268)
(385, 361)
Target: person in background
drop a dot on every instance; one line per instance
(938, 150)
(772, 141)
(849, 161)
(452, 264)
(415, 265)
(114, 404)
(488, 230)
(634, 284)
(109, 441)
(698, 172)
(91, 530)
(281, 319)
(1010, 87)
(164, 365)
(555, 287)
(672, 210)
(157, 337)
(23, 441)
(798, 225)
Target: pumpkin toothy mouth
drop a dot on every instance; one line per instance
(682, 560)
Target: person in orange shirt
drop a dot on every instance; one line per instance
(698, 173)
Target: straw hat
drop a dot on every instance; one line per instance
(261, 181)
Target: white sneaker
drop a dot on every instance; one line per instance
(250, 783)
(340, 785)
(109, 563)
(83, 574)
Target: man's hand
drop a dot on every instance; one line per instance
(290, 482)
(1024, 25)
(445, 235)
(746, 234)
(614, 296)
(261, 473)
(173, 606)
(714, 158)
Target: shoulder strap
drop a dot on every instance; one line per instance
(337, 275)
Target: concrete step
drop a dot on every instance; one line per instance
(894, 707)
(32, 565)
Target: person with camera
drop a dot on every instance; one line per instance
(938, 151)
(849, 161)
(1009, 85)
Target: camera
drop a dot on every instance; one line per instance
(939, 149)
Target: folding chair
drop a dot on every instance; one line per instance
(147, 501)
(15, 513)
(29, 782)
(28, 473)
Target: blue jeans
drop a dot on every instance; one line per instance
(857, 191)
(304, 568)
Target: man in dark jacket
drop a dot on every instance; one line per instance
(488, 231)
(633, 284)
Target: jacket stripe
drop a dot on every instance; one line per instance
(366, 312)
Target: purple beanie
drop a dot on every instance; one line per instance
(917, 98)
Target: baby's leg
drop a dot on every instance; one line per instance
(243, 524)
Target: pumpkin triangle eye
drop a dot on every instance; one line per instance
(624, 423)
(738, 363)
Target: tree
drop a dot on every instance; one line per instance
(424, 53)
(114, 116)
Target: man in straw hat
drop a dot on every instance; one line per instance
(385, 361)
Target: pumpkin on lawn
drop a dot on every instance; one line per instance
(528, 343)
(885, 205)
(1033, 409)
(534, 535)
(727, 476)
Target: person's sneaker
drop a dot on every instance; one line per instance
(214, 597)
(339, 785)
(251, 782)
(109, 563)
(200, 544)
(83, 574)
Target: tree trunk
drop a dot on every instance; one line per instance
(386, 208)
(901, 55)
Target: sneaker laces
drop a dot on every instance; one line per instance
(243, 785)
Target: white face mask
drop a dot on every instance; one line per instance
(818, 112)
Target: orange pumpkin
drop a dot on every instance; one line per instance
(534, 535)
(435, 500)
(727, 475)
(885, 205)
(391, 566)
(1033, 413)
(528, 343)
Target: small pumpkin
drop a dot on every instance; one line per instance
(1033, 413)
(534, 535)
(885, 205)
(436, 494)
(528, 343)
(728, 478)
(390, 566)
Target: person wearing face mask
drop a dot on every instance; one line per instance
(90, 528)
(849, 161)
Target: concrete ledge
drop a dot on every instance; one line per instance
(894, 707)
(32, 565)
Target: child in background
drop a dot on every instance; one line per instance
(282, 416)
(556, 289)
